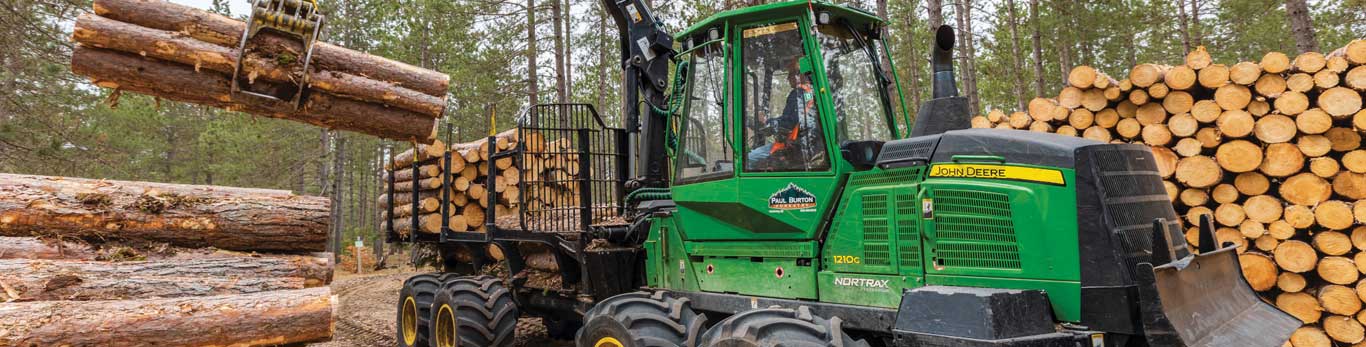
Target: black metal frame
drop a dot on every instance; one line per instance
(599, 154)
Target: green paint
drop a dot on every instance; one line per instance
(854, 237)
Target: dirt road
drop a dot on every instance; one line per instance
(366, 313)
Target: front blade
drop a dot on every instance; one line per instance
(1209, 303)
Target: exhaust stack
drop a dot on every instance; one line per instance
(941, 63)
(946, 111)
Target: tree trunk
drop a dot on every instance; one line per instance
(182, 215)
(1183, 25)
(935, 9)
(106, 33)
(1301, 26)
(212, 28)
(557, 19)
(257, 319)
(1017, 56)
(126, 72)
(967, 52)
(337, 222)
(532, 93)
(1039, 81)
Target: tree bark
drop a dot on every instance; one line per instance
(557, 19)
(257, 319)
(28, 286)
(35, 248)
(1183, 25)
(30, 279)
(1301, 26)
(182, 215)
(126, 72)
(935, 9)
(531, 53)
(1017, 56)
(1039, 81)
(224, 31)
(106, 33)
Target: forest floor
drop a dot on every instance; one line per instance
(365, 313)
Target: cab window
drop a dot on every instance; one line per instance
(855, 89)
(706, 150)
(781, 118)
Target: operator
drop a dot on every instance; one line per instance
(799, 116)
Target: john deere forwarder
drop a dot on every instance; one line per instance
(764, 195)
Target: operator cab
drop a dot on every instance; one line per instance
(773, 95)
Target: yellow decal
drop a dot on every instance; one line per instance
(608, 342)
(770, 30)
(1000, 172)
(846, 259)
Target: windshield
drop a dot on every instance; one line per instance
(860, 107)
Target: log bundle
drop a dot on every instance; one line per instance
(552, 173)
(185, 54)
(141, 263)
(1272, 149)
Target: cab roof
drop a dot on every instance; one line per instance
(855, 15)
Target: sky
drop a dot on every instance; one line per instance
(238, 6)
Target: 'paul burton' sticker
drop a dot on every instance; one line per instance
(792, 198)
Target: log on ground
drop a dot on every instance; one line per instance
(257, 319)
(182, 215)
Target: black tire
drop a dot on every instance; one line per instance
(561, 329)
(779, 327)
(641, 319)
(473, 311)
(414, 309)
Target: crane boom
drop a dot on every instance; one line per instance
(646, 49)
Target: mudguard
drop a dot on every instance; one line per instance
(1203, 300)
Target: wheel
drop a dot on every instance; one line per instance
(641, 319)
(473, 311)
(561, 329)
(779, 326)
(414, 309)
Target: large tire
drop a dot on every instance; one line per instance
(473, 311)
(414, 309)
(641, 319)
(779, 326)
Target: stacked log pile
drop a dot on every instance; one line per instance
(1272, 149)
(185, 54)
(138, 263)
(553, 173)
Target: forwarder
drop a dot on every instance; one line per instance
(768, 196)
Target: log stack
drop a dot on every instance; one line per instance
(553, 172)
(186, 54)
(160, 264)
(1272, 149)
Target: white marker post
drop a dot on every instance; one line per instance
(359, 244)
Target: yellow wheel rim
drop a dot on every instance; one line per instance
(445, 327)
(409, 321)
(607, 342)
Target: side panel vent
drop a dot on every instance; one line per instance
(908, 230)
(877, 247)
(975, 229)
(885, 177)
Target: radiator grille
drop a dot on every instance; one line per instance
(876, 239)
(975, 229)
(908, 230)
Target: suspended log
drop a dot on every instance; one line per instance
(312, 270)
(96, 31)
(182, 215)
(220, 30)
(125, 72)
(256, 319)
